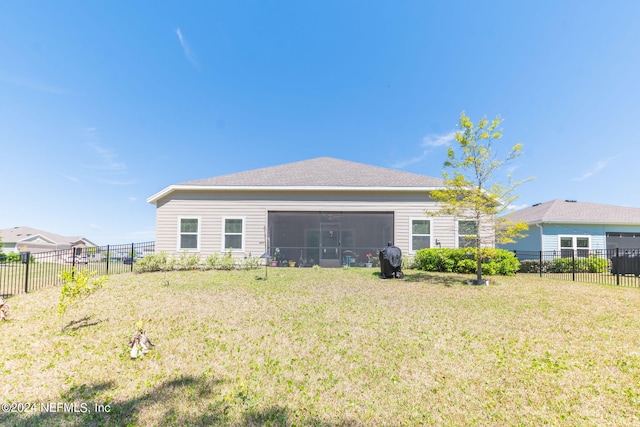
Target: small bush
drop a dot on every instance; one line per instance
(152, 262)
(534, 266)
(186, 261)
(581, 265)
(11, 257)
(217, 262)
(408, 262)
(435, 260)
(494, 261)
(77, 286)
(250, 263)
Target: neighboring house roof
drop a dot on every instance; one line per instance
(27, 234)
(574, 212)
(321, 173)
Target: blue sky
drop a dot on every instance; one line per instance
(105, 103)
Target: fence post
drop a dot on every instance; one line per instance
(108, 257)
(132, 257)
(617, 267)
(540, 265)
(573, 265)
(26, 257)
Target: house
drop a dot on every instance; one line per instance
(323, 211)
(27, 239)
(570, 226)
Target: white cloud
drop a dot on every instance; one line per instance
(70, 178)
(106, 164)
(438, 140)
(108, 160)
(33, 84)
(597, 168)
(188, 53)
(517, 207)
(428, 141)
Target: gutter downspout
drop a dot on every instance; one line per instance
(541, 240)
(540, 255)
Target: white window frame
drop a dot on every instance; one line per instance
(197, 234)
(411, 234)
(224, 233)
(574, 243)
(458, 235)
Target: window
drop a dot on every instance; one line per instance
(189, 233)
(233, 234)
(569, 244)
(467, 233)
(420, 234)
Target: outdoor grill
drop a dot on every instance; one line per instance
(391, 262)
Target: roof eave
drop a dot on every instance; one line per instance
(172, 188)
(580, 222)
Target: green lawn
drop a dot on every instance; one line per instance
(327, 347)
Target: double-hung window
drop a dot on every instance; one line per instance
(420, 234)
(189, 238)
(233, 234)
(467, 233)
(579, 244)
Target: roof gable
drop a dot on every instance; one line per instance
(574, 212)
(321, 173)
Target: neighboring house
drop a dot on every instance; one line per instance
(321, 211)
(566, 226)
(27, 239)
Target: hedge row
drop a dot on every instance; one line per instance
(565, 265)
(10, 257)
(185, 261)
(494, 261)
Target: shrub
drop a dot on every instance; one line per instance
(494, 261)
(217, 262)
(435, 260)
(408, 262)
(250, 263)
(581, 265)
(77, 286)
(186, 261)
(11, 257)
(152, 262)
(533, 266)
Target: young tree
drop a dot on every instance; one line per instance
(473, 187)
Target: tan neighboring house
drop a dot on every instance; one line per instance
(27, 239)
(323, 211)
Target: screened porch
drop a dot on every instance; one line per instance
(328, 239)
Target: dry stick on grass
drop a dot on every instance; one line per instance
(4, 310)
(140, 343)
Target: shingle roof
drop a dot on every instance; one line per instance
(569, 211)
(321, 172)
(17, 234)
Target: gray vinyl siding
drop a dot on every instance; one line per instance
(253, 206)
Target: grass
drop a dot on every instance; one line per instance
(327, 347)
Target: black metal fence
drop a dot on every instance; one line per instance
(619, 267)
(28, 271)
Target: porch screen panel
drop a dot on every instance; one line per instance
(297, 234)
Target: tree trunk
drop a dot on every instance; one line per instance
(478, 265)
